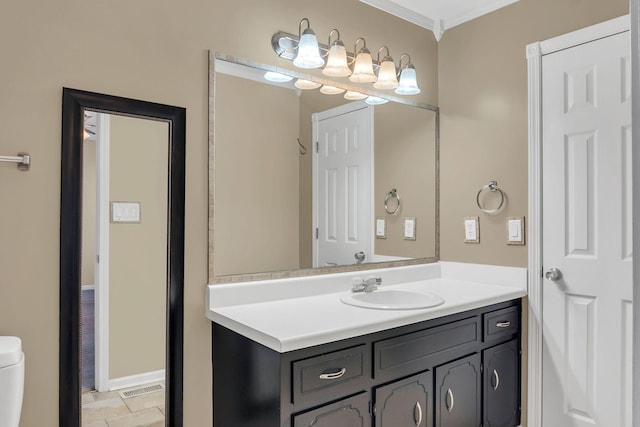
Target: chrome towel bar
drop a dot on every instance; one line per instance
(22, 159)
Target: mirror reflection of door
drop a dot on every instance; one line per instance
(343, 185)
(124, 270)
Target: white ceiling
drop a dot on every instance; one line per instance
(438, 15)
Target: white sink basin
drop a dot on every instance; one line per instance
(392, 299)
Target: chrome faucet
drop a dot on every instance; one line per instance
(368, 284)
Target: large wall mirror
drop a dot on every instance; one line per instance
(121, 261)
(303, 182)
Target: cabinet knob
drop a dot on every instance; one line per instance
(451, 399)
(417, 414)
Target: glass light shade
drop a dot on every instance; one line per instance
(374, 100)
(308, 51)
(272, 76)
(408, 82)
(386, 75)
(330, 90)
(363, 68)
(354, 96)
(306, 84)
(337, 61)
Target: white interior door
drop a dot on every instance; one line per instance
(343, 185)
(587, 313)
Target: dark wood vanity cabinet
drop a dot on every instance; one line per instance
(461, 370)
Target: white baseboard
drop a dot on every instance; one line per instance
(136, 380)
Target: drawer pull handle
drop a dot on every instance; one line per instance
(453, 402)
(333, 375)
(503, 324)
(497, 378)
(417, 414)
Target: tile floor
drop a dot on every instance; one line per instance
(110, 410)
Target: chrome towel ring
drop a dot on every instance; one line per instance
(393, 194)
(493, 187)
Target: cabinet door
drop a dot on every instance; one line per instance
(352, 412)
(458, 393)
(406, 402)
(502, 385)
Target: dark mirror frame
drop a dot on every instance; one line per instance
(74, 102)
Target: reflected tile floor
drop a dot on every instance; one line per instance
(110, 410)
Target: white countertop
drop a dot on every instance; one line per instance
(290, 314)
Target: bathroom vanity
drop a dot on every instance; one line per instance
(457, 364)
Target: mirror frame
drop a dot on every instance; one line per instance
(280, 274)
(73, 104)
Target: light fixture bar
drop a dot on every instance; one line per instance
(284, 45)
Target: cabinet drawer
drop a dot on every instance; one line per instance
(421, 350)
(501, 323)
(330, 375)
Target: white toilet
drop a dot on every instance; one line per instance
(11, 381)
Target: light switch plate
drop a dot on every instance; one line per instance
(515, 231)
(125, 212)
(471, 230)
(381, 228)
(410, 228)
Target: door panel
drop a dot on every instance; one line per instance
(405, 403)
(458, 393)
(587, 233)
(352, 412)
(501, 386)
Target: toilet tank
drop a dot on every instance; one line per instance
(11, 381)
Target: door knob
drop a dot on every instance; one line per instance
(553, 274)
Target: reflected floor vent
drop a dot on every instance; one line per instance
(140, 391)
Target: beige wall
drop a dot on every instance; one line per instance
(155, 50)
(256, 177)
(483, 103)
(138, 172)
(87, 274)
(405, 160)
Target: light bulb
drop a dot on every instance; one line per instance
(386, 75)
(408, 81)
(273, 76)
(337, 61)
(363, 68)
(354, 96)
(330, 90)
(308, 51)
(306, 84)
(374, 100)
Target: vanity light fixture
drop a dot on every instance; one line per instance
(387, 72)
(305, 52)
(306, 84)
(354, 96)
(275, 77)
(308, 55)
(337, 65)
(408, 82)
(363, 66)
(330, 90)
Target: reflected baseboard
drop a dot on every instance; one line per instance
(136, 380)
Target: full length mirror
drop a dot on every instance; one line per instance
(121, 262)
(305, 180)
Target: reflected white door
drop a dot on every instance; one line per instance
(343, 185)
(587, 235)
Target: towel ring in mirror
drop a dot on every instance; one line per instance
(492, 186)
(393, 194)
